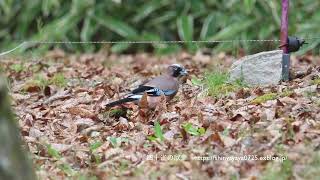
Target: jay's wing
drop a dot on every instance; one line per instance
(141, 89)
(153, 91)
(159, 92)
(162, 85)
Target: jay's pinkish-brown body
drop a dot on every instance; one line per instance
(166, 84)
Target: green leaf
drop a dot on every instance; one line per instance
(249, 5)
(57, 20)
(232, 31)
(148, 8)
(53, 152)
(152, 138)
(158, 131)
(185, 27)
(209, 27)
(169, 15)
(201, 131)
(95, 145)
(116, 141)
(188, 127)
(197, 6)
(166, 49)
(196, 82)
(66, 168)
(120, 47)
(185, 30)
(148, 36)
(117, 26)
(274, 8)
(48, 6)
(49, 32)
(113, 141)
(97, 158)
(89, 28)
(266, 32)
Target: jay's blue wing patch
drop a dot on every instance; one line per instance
(159, 92)
(153, 91)
(169, 92)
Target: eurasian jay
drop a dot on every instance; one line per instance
(166, 84)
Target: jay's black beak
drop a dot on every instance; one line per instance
(184, 72)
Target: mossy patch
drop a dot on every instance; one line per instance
(271, 96)
(19, 67)
(116, 113)
(218, 85)
(223, 89)
(285, 171)
(58, 80)
(265, 98)
(286, 93)
(312, 169)
(39, 82)
(36, 83)
(316, 81)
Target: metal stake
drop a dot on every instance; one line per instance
(284, 41)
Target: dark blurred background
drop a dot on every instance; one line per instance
(135, 20)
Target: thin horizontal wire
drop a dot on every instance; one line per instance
(11, 50)
(136, 42)
(145, 42)
(150, 42)
(162, 42)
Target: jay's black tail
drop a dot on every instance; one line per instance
(121, 101)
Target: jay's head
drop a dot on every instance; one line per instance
(177, 70)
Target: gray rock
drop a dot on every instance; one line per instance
(259, 69)
(308, 89)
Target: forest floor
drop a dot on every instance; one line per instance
(209, 130)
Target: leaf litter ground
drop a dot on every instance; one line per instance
(258, 132)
